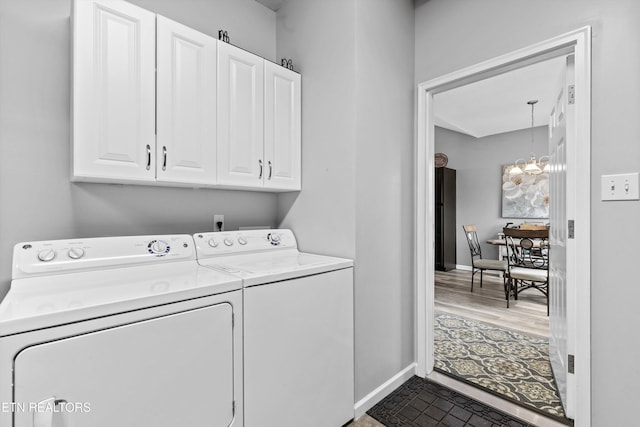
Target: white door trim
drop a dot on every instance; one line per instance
(579, 43)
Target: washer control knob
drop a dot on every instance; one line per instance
(46, 255)
(213, 243)
(76, 253)
(273, 238)
(158, 247)
(228, 242)
(242, 240)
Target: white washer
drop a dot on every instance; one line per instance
(119, 331)
(298, 327)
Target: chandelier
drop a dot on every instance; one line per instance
(532, 167)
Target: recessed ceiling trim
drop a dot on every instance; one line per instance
(272, 4)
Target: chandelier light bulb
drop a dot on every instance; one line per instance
(532, 167)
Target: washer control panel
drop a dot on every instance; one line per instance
(211, 244)
(64, 256)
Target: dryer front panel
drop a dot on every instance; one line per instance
(173, 370)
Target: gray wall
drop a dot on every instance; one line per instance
(37, 201)
(478, 163)
(318, 36)
(384, 199)
(249, 24)
(356, 58)
(454, 34)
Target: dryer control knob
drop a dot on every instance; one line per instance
(228, 242)
(46, 255)
(274, 239)
(76, 253)
(213, 243)
(242, 240)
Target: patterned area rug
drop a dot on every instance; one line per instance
(423, 403)
(504, 362)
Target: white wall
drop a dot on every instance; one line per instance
(478, 163)
(356, 59)
(37, 201)
(452, 35)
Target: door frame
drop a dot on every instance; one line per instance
(577, 42)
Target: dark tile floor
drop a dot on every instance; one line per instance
(423, 403)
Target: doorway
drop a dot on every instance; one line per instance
(577, 318)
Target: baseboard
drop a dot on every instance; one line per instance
(367, 402)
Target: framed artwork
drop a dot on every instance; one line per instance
(524, 196)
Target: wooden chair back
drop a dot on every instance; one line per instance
(471, 234)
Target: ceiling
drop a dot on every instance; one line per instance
(272, 4)
(499, 104)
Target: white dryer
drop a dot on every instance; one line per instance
(120, 331)
(298, 327)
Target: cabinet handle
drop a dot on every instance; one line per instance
(164, 158)
(260, 164)
(270, 169)
(148, 157)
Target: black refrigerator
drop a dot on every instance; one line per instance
(445, 221)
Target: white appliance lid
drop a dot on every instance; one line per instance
(45, 301)
(260, 268)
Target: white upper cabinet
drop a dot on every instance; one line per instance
(157, 102)
(113, 100)
(282, 133)
(240, 117)
(186, 104)
(259, 119)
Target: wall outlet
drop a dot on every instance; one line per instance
(624, 186)
(218, 222)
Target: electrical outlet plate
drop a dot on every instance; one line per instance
(216, 220)
(625, 186)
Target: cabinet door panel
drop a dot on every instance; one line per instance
(186, 103)
(240, 117)
(113, 91)
(282, 137)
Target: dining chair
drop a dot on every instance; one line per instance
(528, 261)
(479, 264)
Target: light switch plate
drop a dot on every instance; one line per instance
(625, 186)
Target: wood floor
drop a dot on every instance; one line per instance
(487, 304)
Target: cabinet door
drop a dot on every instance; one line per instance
(113, 91)
(186, 104)
(175, 370)
(240, 117)
(282, 117)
